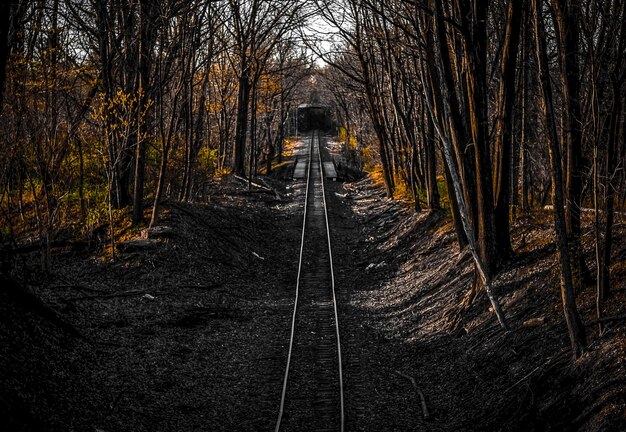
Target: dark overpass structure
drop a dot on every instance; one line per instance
(309, 117)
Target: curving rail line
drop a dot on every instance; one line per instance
(312, 394)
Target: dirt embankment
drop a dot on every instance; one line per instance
(185, 331)
(188, 331)
(403, 280)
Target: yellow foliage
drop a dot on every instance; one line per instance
(122, 113)
(376, 173)
(370, 163)
(402, 190)
(208, 159)
(343, 138)
(269, 85)
(289, 144)
(342, 134)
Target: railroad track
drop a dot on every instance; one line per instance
(312, 393)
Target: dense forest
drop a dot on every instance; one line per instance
(485, 112)
(523, 101)
(109, 104)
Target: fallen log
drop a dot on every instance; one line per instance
(606, 319)
(243, 179)
(137, 245)
(158, 231)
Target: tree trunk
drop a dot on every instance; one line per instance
(253, 131)
(504, 127)
(523, 164)
(81, 180)
(566, 24)
(575, 327)
(454, 207)
(5, 21)
(603, 254)
(146, 41)
(446, 146)
(475, 51)
(138, 188)
(243, 103)
(432, 190)
(160, 186)
(464, 152)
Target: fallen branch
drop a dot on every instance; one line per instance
(251, 192)
(202, 221)
(137, 245)
(524, 378)
(606, 319)
(546, 366)
(268, 186)
(268, 189)
(419, 392)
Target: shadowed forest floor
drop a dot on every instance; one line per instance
(189, 332)
(406, 281)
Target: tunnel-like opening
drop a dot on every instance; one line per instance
(313, 117)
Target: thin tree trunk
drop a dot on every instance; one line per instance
(523, 164)
(464, 153)
(454, 207)
(576, 330)
(146, 41)
(81, 180)
(5, 21)
(475, 51)
(243, 103)
(160, 186)
(253, 132)
(603, 251)
(566, 24)
(504, 127)
(432, 190)
(599, 256)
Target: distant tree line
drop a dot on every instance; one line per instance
(523, 101)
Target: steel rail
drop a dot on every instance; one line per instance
(295, 302)
(297, 294)
(332, 279)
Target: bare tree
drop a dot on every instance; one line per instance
(575, 328)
